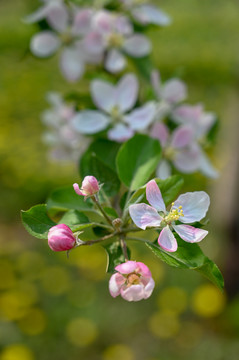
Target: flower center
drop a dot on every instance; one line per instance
(116, 114)
(66, 38)
(115, 40)
(173, 215)
(169, 153)
(133, 279)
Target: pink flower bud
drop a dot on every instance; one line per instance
(133, 281)
(61, 238)
(89, 186)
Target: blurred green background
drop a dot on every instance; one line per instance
(55, 308)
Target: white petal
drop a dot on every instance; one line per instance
(189, 233)
(137, 45)
(164, 170)
(206, 167)
(127, 92)
(115, 61)
(37, 15)
(187, 160)
(161, 132)
(156, 82)
(181, 137)
(144, 215)
(167, 240)
(103, 94)
(71, 64)
(141, 118)
(44, 44)
(154, 196)
(120, 133)
(58, 17)
(82, 22)
(133, 293)
(194, 205)
(174, 91)
(149, 14)
(90, 122)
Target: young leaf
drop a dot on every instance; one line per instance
(37, 222)
(90, 164)
(75, 220)
(115, 256)
(190, 256)
(65, 198)
(137, 159)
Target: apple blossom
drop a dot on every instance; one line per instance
(61, 238)
(188, 208)
(133, 281)
(115, 102)
(89, 186)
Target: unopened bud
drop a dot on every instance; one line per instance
(89, 186)
(61, 238)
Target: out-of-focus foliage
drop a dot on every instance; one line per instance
(53, 308)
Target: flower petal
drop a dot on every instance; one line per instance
(194, 205)
(154, 196)
(58, 17)
(156, 82)
(127, 92)
(167, 240)
(37, 15)
(82, 22)
(120, 133)
(127, 267)
(137, 45)
(189, 233)
(115, 61)
(133, 293)
(71, 64)
(144, 215)
(115, 283)
(182, 137)
(206, 167)
(160, 131)
(78, 190)
(143, 269)
(174, 91)
(142, 117)
(187, 160)
(103, 95)
(44, 44)
(149, 14)
(164, 170)
(90, 122)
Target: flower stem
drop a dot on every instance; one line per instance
(124, 249)
(94, 198)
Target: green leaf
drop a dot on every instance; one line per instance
(144, 67)
(65, 198)
(75, 220)
(190, 256)
(169, 189)
(90, 164)
(37, 222)
(137, 159)
(115, 256)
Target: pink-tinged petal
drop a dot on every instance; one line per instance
(38, 15)
(103, 95)
(174, 91)
(94, 44)
(127, 267)
(189, 233)
(154, 196)
(187, 160)
(156, 83)
(144, 216)
(115, 61)
(163, 110)
(149, 288)
(141, 118)
(77, 190)
(115, 283)
(206, 167)
(133, 293)
(182, 137)
(204, 124)
(160, 131)
(44, 44)
(123, 25)
(142, 269)
(58, 17)
(137, 45)
(185, 114)
(120, 133)
(167, 240)
(149, 14)
(90, 122)
(164, 170)
(71, 64)
(194, 205)
(82, 22)
(103, 22)
(127, 92)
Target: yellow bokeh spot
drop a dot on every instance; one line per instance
(208, 301)
(31, 264)
(164, 325)
(33, 323)
(17, 352)
(82, 295)
(118, 352)
(7, 275)
(81, 332)
(173, 299)
(55, 280)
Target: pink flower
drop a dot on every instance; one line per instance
(89, 187)
(61, 238)
(133, 281)
(188, 208)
